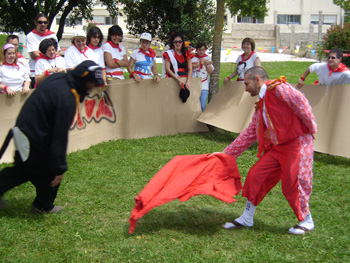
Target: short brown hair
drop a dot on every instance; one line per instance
(250, 41)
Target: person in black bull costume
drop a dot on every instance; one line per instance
(41, 134)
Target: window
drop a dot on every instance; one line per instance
(249, 19)
(111, 20)
(98, 20)
(326, 19)
(68, 21)
(288, 19)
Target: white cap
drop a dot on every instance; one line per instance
(146, 36)
(79, 33)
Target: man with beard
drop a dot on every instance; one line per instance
(283, 125)
(41, 134)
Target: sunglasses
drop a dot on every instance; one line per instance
(332, 57)
(177, 42)
(42, 22)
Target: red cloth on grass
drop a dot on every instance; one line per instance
(186, 176)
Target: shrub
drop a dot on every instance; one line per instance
(337, 37)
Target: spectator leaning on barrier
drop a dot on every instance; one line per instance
(331, 73)
(245, 61)
(13, 76)
(41, 134)
(33, 40)
(144, 60)
(94, 39)
(114, 53)
(202, 66)
(14, 40)
(177, 63)
(78, 51)
(48, 62)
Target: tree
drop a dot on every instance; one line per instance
(244, 8)
(345, 4)
(19, 15)
(194, 18)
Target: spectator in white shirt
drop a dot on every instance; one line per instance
(34, 38)
(114, 53)
(13, 77)
(78, 51)
(48, 62)
(94, 39)
(14, 40)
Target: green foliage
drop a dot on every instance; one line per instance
(345, 4)
(195, 19)
(257, 8)
(337, 37)
(19, 15)
(2, 40)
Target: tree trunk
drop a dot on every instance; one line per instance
(216, 54)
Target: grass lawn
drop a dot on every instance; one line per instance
(98, 194)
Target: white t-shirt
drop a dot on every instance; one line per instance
(43, 64)
(114, 72)
(73, 56)
(337, 78)
(24, 62)
(244, 65)
(99, 58)
(143, 64)
(202, 72)
(33, 42)
(13, 77)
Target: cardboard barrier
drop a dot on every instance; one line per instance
(122, 110)
(232, 109)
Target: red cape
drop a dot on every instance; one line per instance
(186, 176)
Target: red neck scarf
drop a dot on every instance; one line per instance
(198, 56)
(245, 59)
(151, 53)
(42, 56)
(114, 45)
(340, 68)
(93, 47)
(12, 65)
(47, 33)
(19, 55)
(82, 51)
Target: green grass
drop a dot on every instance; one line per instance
(98, 194)
(291, 70)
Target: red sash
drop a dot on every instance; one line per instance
(82, 51)
(340, 68)
(114, 45)
(93, 47)
(42, 56)
(47, 33)
(115, 73)
(12, 65)
(151, 53)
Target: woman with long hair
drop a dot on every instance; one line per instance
(177, 61)
(94, 39)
